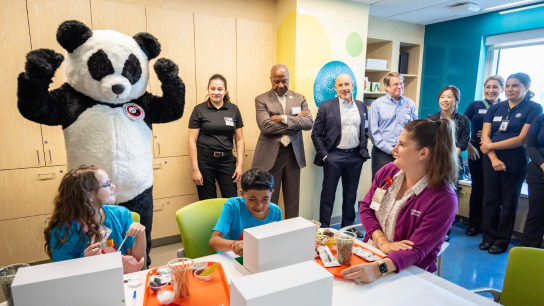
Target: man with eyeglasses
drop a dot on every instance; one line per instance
(387, 118)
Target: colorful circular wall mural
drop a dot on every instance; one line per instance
(354, 44)
(326, 79)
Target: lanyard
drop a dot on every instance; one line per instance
(511, 110)
(484, 101)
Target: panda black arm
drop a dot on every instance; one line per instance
(170, 106)
(34, 100)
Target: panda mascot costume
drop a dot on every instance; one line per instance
(104, 109)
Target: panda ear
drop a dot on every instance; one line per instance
(149, 44)
(72, 34)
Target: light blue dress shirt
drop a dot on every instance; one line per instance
(387, 119)
(350, 119)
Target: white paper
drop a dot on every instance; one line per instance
(403, 288)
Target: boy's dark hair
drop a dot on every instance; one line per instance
(257, 179)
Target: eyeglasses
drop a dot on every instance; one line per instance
(110, 185)
(400, 85)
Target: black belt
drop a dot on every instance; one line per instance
(356, 149)
(216, 153)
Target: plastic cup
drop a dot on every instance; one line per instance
(206, 278)
(344, 246)
(180, 270)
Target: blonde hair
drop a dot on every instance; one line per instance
(497, 78)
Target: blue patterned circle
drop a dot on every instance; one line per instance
(326, 79)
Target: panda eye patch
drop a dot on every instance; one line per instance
(100, 65)
(132, 69)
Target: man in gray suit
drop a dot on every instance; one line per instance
(282, 115)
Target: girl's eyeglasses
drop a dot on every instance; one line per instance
(107, 185)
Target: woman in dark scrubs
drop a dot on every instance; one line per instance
(534, 226)
(475, 112)
(503, 141)
(212, 127)
(448, 100)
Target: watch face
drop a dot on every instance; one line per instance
(383, 268)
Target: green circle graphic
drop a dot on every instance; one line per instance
(354, 44)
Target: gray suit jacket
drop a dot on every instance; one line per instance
(267, 105)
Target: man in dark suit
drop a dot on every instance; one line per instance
(340, 140)
(282, 115)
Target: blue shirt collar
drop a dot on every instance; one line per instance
(393, 100)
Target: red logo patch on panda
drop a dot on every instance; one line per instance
(133, 111)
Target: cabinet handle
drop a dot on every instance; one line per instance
(157, 164)
(38, 154)
(158, 205)
(50, 159)
(159, 145)
(46, 173)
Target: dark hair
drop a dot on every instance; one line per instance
(217, 76)
(73, 203)
(456, 93)
(257, 179)
(524, 79)
(439, 138)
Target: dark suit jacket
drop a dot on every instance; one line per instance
(462, 131)
(327, 131)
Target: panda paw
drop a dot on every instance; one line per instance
(166, 70)
(42, 63)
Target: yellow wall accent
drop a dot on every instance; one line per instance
(286, 44)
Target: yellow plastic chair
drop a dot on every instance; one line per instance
(523, 279)
(196, 222)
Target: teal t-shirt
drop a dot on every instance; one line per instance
(235, 217)
(118, 219)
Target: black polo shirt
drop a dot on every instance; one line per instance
(217, 126)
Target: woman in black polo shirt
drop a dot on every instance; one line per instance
(448, 100)
(212, 126)
(503, 141)
(493, 87)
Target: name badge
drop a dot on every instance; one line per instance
(228, 121)
(497, 119)
(482, 111)
(295, 110)
(377, 199)
(504, 125)
(366, 124)
(407, 116)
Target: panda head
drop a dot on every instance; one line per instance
(106, 65)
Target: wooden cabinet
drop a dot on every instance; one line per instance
(172, 177)
(29, 192)
(125, 18)
(21, 145)
(175, 32)
(164, 215)
(22, 240)
(215, 45)
(255, 58)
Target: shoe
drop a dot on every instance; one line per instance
(484, 246)
(496, 250)
(472, 231)
(448, 236)
(356, 232)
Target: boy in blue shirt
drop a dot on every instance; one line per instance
(252, 209)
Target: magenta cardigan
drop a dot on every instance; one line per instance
(424, 219)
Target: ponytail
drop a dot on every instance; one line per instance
(439, 138)
(529, 94)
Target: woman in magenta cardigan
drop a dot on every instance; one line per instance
(419, 205)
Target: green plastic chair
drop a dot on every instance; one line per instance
(523, 279)
(196, 222)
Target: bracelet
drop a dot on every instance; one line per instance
(232, 244)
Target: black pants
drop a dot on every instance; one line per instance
(477, 194)
(348, 166)
(216, 168)
(379, 159)
(143, 205)
(286, 173)
(534, 226)
(501, 194)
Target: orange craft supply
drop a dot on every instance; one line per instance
(214, 292)
(355, 260)
(110, 242)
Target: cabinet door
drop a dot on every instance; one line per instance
(21, 140)
(164, 215)
(29, 192)
(175, 32)
(172, 177)
(44, 18)
(215, 45)
(22, 240)
(125, 18)
(255, 48)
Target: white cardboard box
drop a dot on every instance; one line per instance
(95, 280)
(376, 62)
(305, 283)
(279, 244)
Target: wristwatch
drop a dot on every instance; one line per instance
(383, 267)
